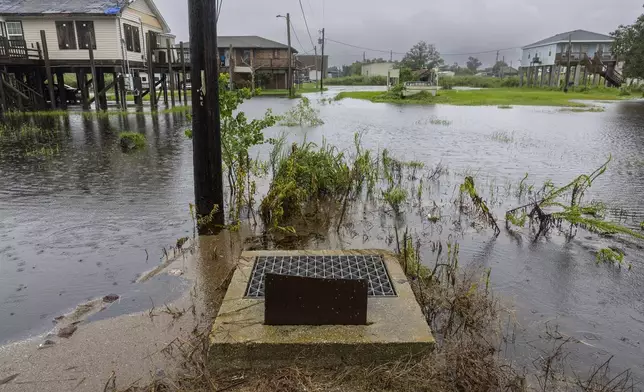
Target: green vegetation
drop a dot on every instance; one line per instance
(303, 88)
(629, 45)
(395, 197)
(505, 106)
(502, 136)
(467, 188)
(307, 174)
(594, 109)
(478, 81)
(302, 115)
(496, 96)
(132, 140)
(357, 80)
(437, 121)
(188, 133)
(612, 256)
(31, 140)
(556, 206)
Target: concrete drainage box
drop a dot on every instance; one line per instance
(395, 324)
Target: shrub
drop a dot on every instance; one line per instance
(131, 140)
(357, 80)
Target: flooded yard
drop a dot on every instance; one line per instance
(89, 220)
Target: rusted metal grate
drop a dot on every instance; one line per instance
(369, 267)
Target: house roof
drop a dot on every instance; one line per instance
(250, 42)
(87, 7)
(576, 36)
(31, 7)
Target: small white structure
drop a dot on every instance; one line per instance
(385, 70)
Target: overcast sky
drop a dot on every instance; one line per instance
(454, 26)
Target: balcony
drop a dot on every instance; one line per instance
(18, 49)
(582, 57)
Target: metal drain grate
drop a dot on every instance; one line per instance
(370, 267)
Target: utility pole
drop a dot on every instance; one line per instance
(391, 56)
(206, 124)
(364, 57)
(317, 62)
(322, 65)
(568, 67)
(496, 63)
(503, 67)
(289, 78)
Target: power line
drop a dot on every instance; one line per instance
(361, 47)
(442, 54)
(296, 37)
(306, 24)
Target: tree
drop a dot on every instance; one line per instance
(356, 68)
(422, 55)
(346, 70)
(498, 67)
(473, 64)
(454, 67)
(629, 45)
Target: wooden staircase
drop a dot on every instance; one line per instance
(614, 78)
(597, 66)
(19, 95)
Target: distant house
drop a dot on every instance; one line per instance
(385, 70)
(312, 67)
(578, 48)
(266, 59)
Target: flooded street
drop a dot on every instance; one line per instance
(91, 219)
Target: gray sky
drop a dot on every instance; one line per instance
(454, 26)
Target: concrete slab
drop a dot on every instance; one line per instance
(396, 326)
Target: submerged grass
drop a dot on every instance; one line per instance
(132, 140)
(487, 97)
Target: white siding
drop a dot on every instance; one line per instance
(377, 69)
(132, 18)
(107, 42)
(546, 53)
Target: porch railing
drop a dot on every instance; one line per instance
(18, 49)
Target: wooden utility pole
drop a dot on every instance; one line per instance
(568, 67)
(323, 70)
(170, 55)
(317, 65)
(50, 77)
(391, 56)
(152, 92)
(92, 66)
(206, 124)
(289, 77)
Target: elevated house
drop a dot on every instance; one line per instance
(81, 37)
(581, 52)
(253, 59)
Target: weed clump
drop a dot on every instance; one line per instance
(131, 141)
(307, 174)
(302, 115)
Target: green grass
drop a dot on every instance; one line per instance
(494, 96)
(301, 89)
(133, 138)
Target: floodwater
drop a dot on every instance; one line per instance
(91, 219)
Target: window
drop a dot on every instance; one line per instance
(550, 53)
(2, 29)
(85, 31)
(528, 55)
(132, 38)
(66, 35)
(245, 56)
(14, 33)
(276, 53)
